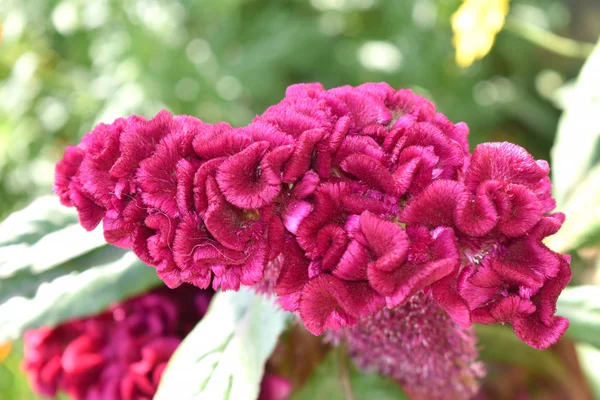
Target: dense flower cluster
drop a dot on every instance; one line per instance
(355, 198)
(418, 345)
(119, 354)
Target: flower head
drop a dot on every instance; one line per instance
(119, 354)
(342, 202)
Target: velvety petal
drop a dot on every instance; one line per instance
(220, 140)
(293, 275)
(157, 176)
(542, 329)
(65, 170)
(359, 145)
(431, 257)
(300, 161)
(289, 121)
(538, 335)
(371, 172)
(330, 243)
(478, 215)
(327, 206)
(407, 102)
(222, 220)
(386, 241)
(435, 206)
(330, 303)
(294, 213)
(525, 212)
(185, 172)
(451, 157)
(102, 151)
(353, 263)
(415, 170)
(90, 213)
(445, 292)
(260, 131)
(205, 171)
(306, 186)
(504, 162)
(365, 108)
(241, 181)
(191, 238)
(138, 142)
(511, 307)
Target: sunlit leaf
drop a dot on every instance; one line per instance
(338, 379)
(224, 356)
(42, 216)
(577, 143)
(582, 225)
(37, 239)
(96, 280)
(581, 304)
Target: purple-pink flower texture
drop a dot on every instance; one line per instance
(352, 199)
(117, 355)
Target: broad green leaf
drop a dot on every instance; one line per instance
(223, 357)
(499, 344)
(577, 142)
(338, 379)
(96, 281)
(24, 282)
(42, 216)
(582, 225)
(581, 304)
(41, 237)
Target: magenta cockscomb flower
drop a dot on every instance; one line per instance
(346, 203)
(119, 354)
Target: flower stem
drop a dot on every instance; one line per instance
(550, 41)
(345, 372)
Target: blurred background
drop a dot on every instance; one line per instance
(67, 65)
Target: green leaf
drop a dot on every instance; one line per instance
(97, 280)
(24, 282)
(582, 225)
(577, 143)
(37, 239)
(42, 216)
(13, 381)
(499, 344)
(338, 379)
(589, 360)
(581, 304)
(224, 356)
(52, 270)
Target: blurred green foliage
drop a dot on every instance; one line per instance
(66, 65)
(13, 383)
